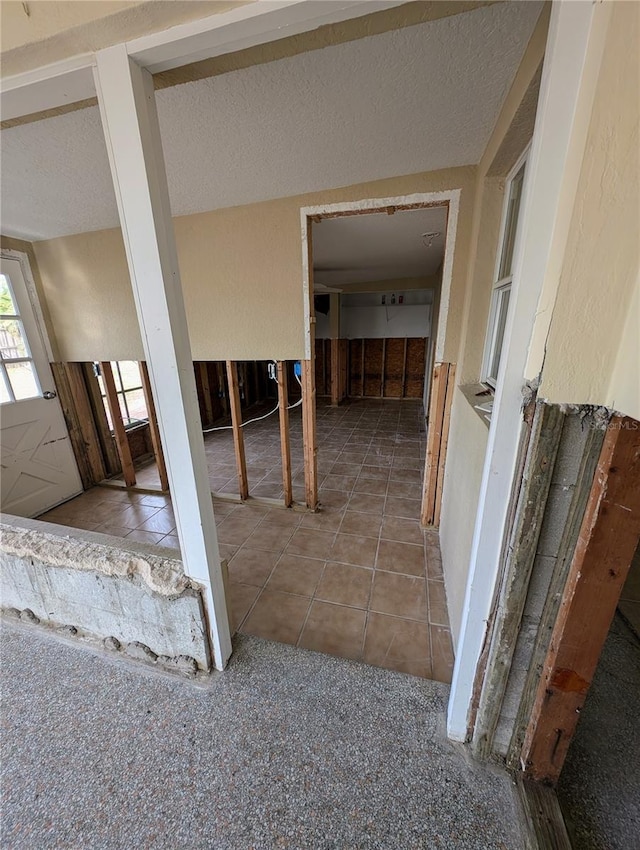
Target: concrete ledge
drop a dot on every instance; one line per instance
(134, 595)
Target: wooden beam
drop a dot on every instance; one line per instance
(309, 434)
(153, 427)
(285, 444)
(383, 367)
(606, 544)
(224, 395)
(108, 446)
(543, 823)
(236, 422)
(444, 441)
(203, 368)
(122, 443)
(434, 436)
(79, 419)
(335, 372)
(362, 361)
(516, 567)
(404, 370)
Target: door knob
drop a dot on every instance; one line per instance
(49, 394)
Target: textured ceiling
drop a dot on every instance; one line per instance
(363, 248)
(418, 99)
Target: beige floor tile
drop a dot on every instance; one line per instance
(333, 498)
(404, 489)
(371, 486)
(170, 541)
(311, 543)
(398, 644)
(113, 530)
(441, 653)
(294, 574)
(145, 536)
(334, 629)
(366, 503)
(354, 549)
(366, 525)
(398, 557)
(407, 508)
(252, 566)
(374, 472)
(242, 598)
(401, 596)
(272, 538)
(327, 519)
(345, 584)
(403, 530)
(438, 613)
(161, 521)
(277, 616)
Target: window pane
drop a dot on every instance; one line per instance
(511, 225)
(5, 395)
(115, 368)
(130, 372)
(23, 380)
(501, 321)
(12, 341)
(7, 306)
(136, 405)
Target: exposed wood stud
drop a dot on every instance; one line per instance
(404, 369)
(335, 372)
(382, 370)
(517, 565)
(77, 414)
(434, 435)
(108, 446)
(203, 367)
(285, 443)
(362, 367)
(224, 395)
(543, 821)
(444, 441)
(153, 427)
(236, 422)
(588, 464)
(119, 431)
(309, 434)
(606, 544)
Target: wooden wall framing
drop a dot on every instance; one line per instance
(608, 538)
(442, 389)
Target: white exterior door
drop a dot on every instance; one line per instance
(37, 466)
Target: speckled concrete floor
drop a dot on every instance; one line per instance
(599, 788)
(286, 749)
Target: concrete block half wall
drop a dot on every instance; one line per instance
(132, 596)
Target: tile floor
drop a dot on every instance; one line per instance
(360, 579)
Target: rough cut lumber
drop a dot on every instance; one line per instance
(285, 444)
(153, 427)
(236, 423)
(606, 544)
(119, 431)
(444, 441)
(203, 367)
(309, 435)
(516, 568)
(79, 419)
(544, 826)
(108, 447)
(434, 438)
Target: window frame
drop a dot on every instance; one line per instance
(502, 286)
(28, 357)
(128, 421)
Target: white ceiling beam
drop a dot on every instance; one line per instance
(48, 87)
(247, 26)
(71, 80)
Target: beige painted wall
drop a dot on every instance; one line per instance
(463, 475)
(591, 351)
(468, 432)
(241, 272)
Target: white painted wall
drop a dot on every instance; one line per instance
(363, 316)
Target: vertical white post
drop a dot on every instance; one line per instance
(574, 51)
(129, 117)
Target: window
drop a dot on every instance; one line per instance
(503, 278)
(18, 380)
(126, 375)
